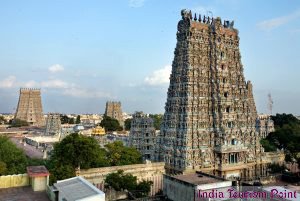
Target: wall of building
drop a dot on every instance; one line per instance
(10, 181)
(39, 183)
(150, 172)
(178, 190)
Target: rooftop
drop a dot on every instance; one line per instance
(22, 193)
(76, 188)
(198, 178)
(37, 171)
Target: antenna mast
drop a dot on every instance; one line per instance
(270, 103)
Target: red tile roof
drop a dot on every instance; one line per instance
(37, 171)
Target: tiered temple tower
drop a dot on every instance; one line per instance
(142, 135)
(114, 110)
(210, 114)
(30, 107)
(53, 124)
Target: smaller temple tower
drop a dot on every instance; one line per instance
(53, 124)
(30, 107)
(143, 135)
(114, 110)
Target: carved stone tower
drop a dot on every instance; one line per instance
(142, 135)
(210, 114)
(114, 110)
(53, 124)
(30, 107)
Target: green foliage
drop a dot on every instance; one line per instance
(19, 123)
(2, 120)
(35, 161)
(110, 124)
(118, 154)
(282, 119)
(80, 151)
(3, 168)
(75, 151)
(143, 188)
(285, 137)
(127, 124)
(276, 168)
(157, 118)
(12, 159)
(120, 181)
(269, 147)
(77, 119)
(66, 120)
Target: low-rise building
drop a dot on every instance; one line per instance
(75, 189)
(194, 187)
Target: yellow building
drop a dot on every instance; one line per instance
(98, 130)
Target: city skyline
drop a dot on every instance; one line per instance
(84, 54)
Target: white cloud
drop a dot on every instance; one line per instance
(30, 84)
(11, 82)
(56, 68)
(85, 93)
(60, 86)
(270, 24)
(159, 77)
(8, 82)
(136, 3)
(55, 83)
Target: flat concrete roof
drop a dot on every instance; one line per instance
(198, 179)
(22, 194)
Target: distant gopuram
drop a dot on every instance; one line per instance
(30, 107)
(114, 110)
(53, 124)
(210, 114)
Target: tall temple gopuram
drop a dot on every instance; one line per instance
(113, 109)
(210, 114)
(30, 107)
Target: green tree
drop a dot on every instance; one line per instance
(19, 123)
(286, 137)
(78, 119)
(12, 159)
(276, 168)
(110, 124)
(64, 119)
(75, 151)
(2, 120)
(127, 124)
(121, 181)
(269, 147)
(71, 121)
(118, 154)
(157, 118)
(143, 188)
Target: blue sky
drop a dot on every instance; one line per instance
(83, 53)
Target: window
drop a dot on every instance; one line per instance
(226, 94)
(227, 109)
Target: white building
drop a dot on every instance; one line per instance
(77, 189)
